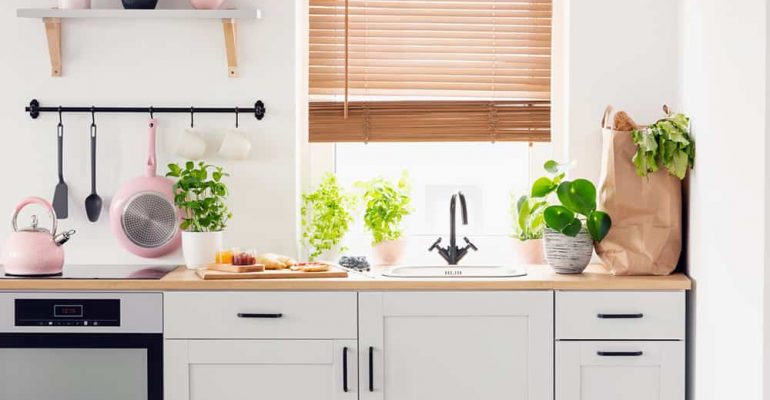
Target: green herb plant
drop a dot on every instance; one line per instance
(387, 204)
(326, 216)
(577, 208)
(200, 193)
(665, 143)
(527, 210)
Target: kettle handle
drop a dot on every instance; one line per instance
(38, 201)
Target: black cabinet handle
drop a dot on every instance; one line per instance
(252, 315)
(371, 368)
(620, 316)
(345, 369)
(619, 353)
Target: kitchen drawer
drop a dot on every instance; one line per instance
(620, 315)
(262, 315)
(625, 370)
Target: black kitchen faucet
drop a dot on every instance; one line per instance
(454, 254)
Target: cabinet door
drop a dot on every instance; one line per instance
(620, 371)
(260, 369)
(456, 345)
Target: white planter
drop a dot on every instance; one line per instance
(568, 255)
(74, 4)
(389, 252)
(528, 252)
(200, 248)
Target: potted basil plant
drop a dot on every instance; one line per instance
(326, 218)
(200, 194)
(573, 226)
(387, 203)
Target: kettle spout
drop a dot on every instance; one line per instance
(62, 238)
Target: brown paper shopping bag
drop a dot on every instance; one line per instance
(646, 234)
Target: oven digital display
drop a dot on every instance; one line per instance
(67, 311)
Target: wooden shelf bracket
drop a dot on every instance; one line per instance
(53, 17)
(231, 46)
(53, 35)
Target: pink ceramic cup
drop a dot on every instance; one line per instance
(207, 4)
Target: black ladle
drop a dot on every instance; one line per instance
(93, 201)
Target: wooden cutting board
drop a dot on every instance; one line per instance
(333, 272)
(236, 268)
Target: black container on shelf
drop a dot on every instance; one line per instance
(139, 4)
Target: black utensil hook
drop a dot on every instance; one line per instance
(192, 117)
(236, 117)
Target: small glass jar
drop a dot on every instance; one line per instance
(244, 257)
(224, 257)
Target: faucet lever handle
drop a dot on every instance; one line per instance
(435, 245)
(470, 245)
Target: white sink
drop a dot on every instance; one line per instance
(453, 271)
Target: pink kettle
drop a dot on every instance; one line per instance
(35, 251)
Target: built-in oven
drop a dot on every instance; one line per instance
(81, 346)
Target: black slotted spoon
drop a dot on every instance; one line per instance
(60, 203)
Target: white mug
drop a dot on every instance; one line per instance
(74, 4)
(235, 146)
(191, 145)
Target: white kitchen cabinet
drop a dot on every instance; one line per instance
(456, 345)
(595, 370)
(260, 369)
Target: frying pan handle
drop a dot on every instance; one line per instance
(152, 162)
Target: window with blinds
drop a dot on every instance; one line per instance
(430, 70)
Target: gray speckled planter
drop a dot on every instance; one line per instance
(568, 255)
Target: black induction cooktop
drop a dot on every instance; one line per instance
(146, 272)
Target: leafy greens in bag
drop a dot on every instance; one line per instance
(665, 143)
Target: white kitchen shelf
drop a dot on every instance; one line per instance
(138, 14)
(53, 17)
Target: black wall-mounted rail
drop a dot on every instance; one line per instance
(34, 109)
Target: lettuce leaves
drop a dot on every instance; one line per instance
(665, 143)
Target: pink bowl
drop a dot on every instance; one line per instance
(207, 4)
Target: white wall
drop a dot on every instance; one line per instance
(143, 62)
(623, 53)
(725, 93)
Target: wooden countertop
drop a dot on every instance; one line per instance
(539, 277)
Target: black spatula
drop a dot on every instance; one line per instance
(61, 193)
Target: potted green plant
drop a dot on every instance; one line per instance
(387, 203)
(326, 218)
(573, 226)
(528, 221)
(200, 194)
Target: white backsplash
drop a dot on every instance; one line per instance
(143, 63)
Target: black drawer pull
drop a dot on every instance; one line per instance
(252, 315)
(619, 353)
(620, 316)
(371, 368)
(345, 369)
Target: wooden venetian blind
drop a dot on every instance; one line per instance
(430, 70)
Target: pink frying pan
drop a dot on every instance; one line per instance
(143, 215)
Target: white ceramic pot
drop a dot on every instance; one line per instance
(568, 255)
(74, 4)
(200, 248)
(528, 251)
(389, 252)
